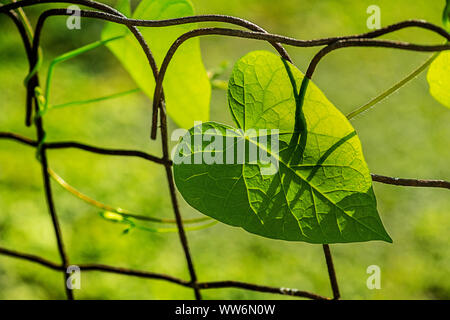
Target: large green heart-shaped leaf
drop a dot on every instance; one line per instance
(439, 78)
(315, 188)
(186, 84)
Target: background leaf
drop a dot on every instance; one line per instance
(446, 15)
(322, 192)
(186, 85)
(439, 78)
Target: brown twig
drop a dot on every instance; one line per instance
(82, 146)
(259, 288)
(411, 182)
(331, 271)
(31, 258)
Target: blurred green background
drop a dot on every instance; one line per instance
(407, 135)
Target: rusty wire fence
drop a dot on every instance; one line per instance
(247, 30)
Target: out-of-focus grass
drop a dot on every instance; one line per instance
(407, 135)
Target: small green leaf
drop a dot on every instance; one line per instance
(119, 218)
(126, 231)
(439, 78)
(322, 190)
(112, 216)
(446, 15)
(186, 84)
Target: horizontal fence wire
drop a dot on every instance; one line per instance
(255, 32)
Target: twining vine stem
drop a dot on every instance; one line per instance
(392, 89)
(107, 13)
